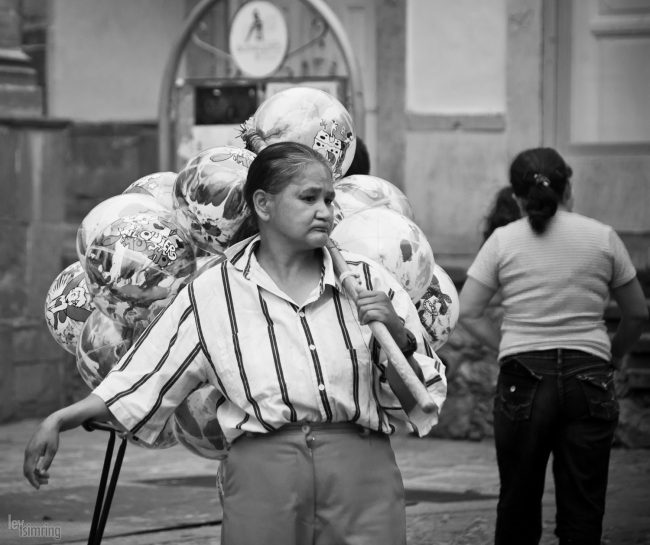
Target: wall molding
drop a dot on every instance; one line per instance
(612, 26)
(455, 122)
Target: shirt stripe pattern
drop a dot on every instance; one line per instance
(273, 361)
(276, 358)
(238, 355)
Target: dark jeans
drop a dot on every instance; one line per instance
(562, 402)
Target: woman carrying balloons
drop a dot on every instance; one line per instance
(309, 398)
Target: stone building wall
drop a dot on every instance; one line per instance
(51, 175)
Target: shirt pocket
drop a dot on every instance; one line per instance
(516, 390)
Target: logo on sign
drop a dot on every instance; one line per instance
(259, 38)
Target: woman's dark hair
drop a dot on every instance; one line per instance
(540, 177)
(361, 161)
(272, 170)
(504, 210)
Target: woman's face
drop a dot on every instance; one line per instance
(302, 213)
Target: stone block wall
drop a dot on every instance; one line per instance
(51, 175)
(31, 218)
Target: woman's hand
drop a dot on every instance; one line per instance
(43, 445)
(40, 452)
(376, 306)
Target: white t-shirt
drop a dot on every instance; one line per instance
(555, 286)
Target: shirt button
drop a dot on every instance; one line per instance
(301, 314)
(513, 388)
(321, 387)
(312, 347)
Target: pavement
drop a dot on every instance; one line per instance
(168, 496)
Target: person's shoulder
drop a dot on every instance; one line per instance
(359, 261)
(584, 223)
(513, 229)
(208, 275)
(355, 259)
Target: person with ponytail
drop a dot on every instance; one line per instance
(505, 209)
(307, 396)
(556, 271)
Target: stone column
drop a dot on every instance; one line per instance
(20, 93)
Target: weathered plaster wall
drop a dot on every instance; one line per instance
(106, 59)
(451, 178)
(456, 56)
(456, 130)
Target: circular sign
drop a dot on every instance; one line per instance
(258, 38)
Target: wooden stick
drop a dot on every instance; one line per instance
(383, 336)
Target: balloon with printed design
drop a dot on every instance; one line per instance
(209, 198)
(101, 345)
(196, 425)
(160, 185)
(360, 191)
(137, 264)
(394, 241)
(308, 116)
(107, 212)
(68, 304)
(439, 308)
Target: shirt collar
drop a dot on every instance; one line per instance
(242, 256)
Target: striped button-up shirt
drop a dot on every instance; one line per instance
(272, 361)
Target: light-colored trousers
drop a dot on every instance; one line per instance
(313, 484)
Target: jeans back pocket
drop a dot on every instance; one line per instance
(516, 389)
(598, 389)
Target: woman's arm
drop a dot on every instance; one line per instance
(634, 316)
(376, 306)
(43, 445)
(474, 298)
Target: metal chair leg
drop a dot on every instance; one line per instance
(104, 494)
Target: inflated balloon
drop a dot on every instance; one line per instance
(360, 191)
(160, 185)
(308, 116)
(101, 345)
(68, 304)
(208, 195)
(107, 212)
(137, 264)
(392, 240)
(196, 426)
(439, 308)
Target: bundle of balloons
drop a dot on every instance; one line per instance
(136, 250)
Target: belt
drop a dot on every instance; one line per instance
(309, 428)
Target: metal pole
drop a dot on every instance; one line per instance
(167, 115)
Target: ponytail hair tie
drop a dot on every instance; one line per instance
(540, 179)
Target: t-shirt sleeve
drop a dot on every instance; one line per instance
(623, 269)
(485, 268)
(163, 366)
